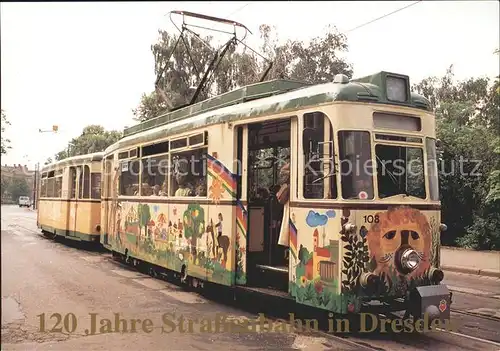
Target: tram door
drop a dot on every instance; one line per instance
(268, 150)
(71, 208)
(105, 202)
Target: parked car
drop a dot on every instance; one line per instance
(24, 201)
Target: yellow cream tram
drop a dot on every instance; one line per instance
(70, 198)
(194, 191)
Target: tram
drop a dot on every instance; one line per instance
(199, 191)
(69, 202)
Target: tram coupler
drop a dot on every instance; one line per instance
(430, 302)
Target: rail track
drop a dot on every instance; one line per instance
(474, 314)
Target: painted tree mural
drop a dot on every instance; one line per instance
(194, 224)
(144, 217)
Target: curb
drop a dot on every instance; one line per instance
(472, 270)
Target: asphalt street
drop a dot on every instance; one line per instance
(48, 285)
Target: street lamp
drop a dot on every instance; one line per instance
(35, 185)
(54, 129)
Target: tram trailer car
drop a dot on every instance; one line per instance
(69, 203)
(191, 192)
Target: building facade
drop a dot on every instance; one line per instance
(9, 173)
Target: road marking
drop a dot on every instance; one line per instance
(469, 291)
(185, 297)
(128, 274)
(469, 337)
(490, 312)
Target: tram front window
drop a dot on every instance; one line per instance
(356, 165)
(400, 170)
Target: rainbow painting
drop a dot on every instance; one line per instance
(241, 218)
(218, 171)
(293, 239)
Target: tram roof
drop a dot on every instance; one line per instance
(74, 160)
(276, 96)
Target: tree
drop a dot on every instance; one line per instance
(466, 112)
(18, 187)
(4, 141)
(93, 139)
(315, 62)
(5, 185)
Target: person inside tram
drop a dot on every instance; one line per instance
(156, 190)
(201, 187)
(283, 198)
(276, 207)
(164, 189)
(135, 190)
(146, 190)
(184, 189)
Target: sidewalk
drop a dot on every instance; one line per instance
(472, 262)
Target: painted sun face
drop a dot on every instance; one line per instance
(401, 227)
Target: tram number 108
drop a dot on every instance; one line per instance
(371, 219)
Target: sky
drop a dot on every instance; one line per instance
(75, 64)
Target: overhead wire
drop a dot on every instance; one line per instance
(383, 16)
(238, 10)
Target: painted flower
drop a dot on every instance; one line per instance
(216, 190)
(303, 280)
(350, 307)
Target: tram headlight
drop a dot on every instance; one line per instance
(410, 259)
(396, 88)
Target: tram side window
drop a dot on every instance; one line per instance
(356, 166)
(58, 186)
(43, 186)
(155, 176)
(129, 177)
(50, 185)
(189, 173)
(320, 181)
(108, 178)
(80, 182)
(86, 182)
(72, 176)
(95, 181)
